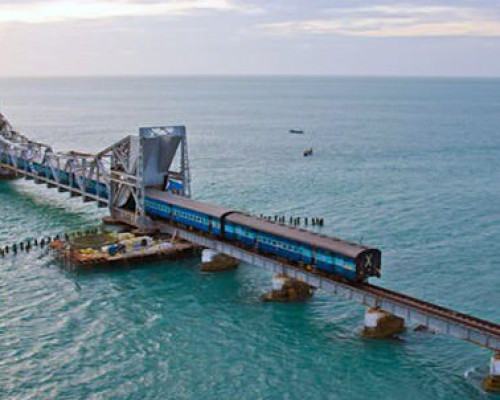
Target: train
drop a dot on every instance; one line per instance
(343, 259)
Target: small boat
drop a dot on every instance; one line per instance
(296, 131)
(308, 152)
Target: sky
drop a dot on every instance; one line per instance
(250, 37)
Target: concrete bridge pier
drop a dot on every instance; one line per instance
(492, 381)
(287, 289)
(7, 175)
(212, 261)
(381, 324)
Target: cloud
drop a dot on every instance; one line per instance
(63, 10)
(395, 21)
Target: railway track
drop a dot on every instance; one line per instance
(433, 309)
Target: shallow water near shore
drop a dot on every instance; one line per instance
(411, 166)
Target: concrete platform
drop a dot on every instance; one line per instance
(93, 250)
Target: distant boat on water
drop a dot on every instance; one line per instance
(296, 131)
(308, 152)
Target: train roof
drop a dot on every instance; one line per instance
(330, 243)
(181, 201)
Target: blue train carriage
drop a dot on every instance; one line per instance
(346, 259)
(184, 211)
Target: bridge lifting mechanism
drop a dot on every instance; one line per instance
(123, 175)
(116, 177)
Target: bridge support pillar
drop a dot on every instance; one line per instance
(492, 381)
(6, 175)
(212, 261)
(286, 289)
(381, 324)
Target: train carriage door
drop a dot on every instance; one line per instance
(369, 262)
(314, 254)
(210, 225)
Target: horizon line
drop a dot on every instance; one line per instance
(249, 75)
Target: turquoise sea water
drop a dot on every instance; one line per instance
(411, 166)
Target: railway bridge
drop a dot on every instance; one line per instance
(121, 176)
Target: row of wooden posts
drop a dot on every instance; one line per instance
(27, 245)
(295, 221)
